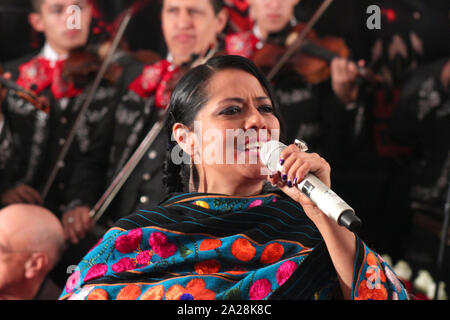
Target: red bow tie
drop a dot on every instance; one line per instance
(154, 80)
(38, 74)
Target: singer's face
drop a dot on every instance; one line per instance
(190, 27)
(238, 116)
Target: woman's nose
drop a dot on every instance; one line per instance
(255, 120)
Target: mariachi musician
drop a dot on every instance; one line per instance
(190, 29)
(36, 136)
(315, 111)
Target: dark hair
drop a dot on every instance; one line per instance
(217, 5)
(189, 97)
(36, 5)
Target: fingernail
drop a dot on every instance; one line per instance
(289, 183)
(295, 180)
(281, 162)
(284, 177)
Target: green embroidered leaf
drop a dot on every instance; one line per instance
(233, 294)
(184, 251)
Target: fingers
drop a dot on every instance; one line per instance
(343, 79)
(77, 223)
(297, 164)
(30, 195)
(344, 70)
(22, 194)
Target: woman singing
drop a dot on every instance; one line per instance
(228, 230)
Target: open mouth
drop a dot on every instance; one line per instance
(250, 145)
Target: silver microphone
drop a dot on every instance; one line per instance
(322, 196)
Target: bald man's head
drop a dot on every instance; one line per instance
(32, 228)
(31, 243)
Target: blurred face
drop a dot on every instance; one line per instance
(190, 27)
(65, 27)
(12, 262)
(272, 15)
(237, 118)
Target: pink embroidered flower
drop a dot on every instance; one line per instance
(260, 289)
(73, 281)
(144, 257)
(161, 246)
(129, 242)
(285, 271)
(123, 264)
(96, 271)
(274, 200)
(255, 203)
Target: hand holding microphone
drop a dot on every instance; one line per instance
(295, 167)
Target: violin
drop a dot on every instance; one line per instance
(311, 60)
(40, 103)
(83, 64)
(303, 51)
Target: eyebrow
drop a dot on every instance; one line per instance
(241, 100)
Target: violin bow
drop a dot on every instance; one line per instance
(116, 185)
(300, 39)
(122, 176)
(59, 163)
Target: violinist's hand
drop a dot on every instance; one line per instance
(76, 224)
(343, 79)
(21, 193)
(296, 165)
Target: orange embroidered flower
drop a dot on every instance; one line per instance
(272, 253)
(98, 294)
(366, 291)
(155, 293)
(371, 259)
(207, 267)
(175, 292)
(210, 244)
(243, 250)
(195, 289)
(130, 292)
(375, 274)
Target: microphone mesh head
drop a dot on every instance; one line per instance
(269, 153)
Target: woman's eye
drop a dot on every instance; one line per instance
(230, 110)
(267, 108)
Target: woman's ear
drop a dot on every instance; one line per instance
(35, 20)
(184, 137)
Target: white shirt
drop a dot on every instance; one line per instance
(50, 54)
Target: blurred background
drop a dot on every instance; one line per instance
(414, 33)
